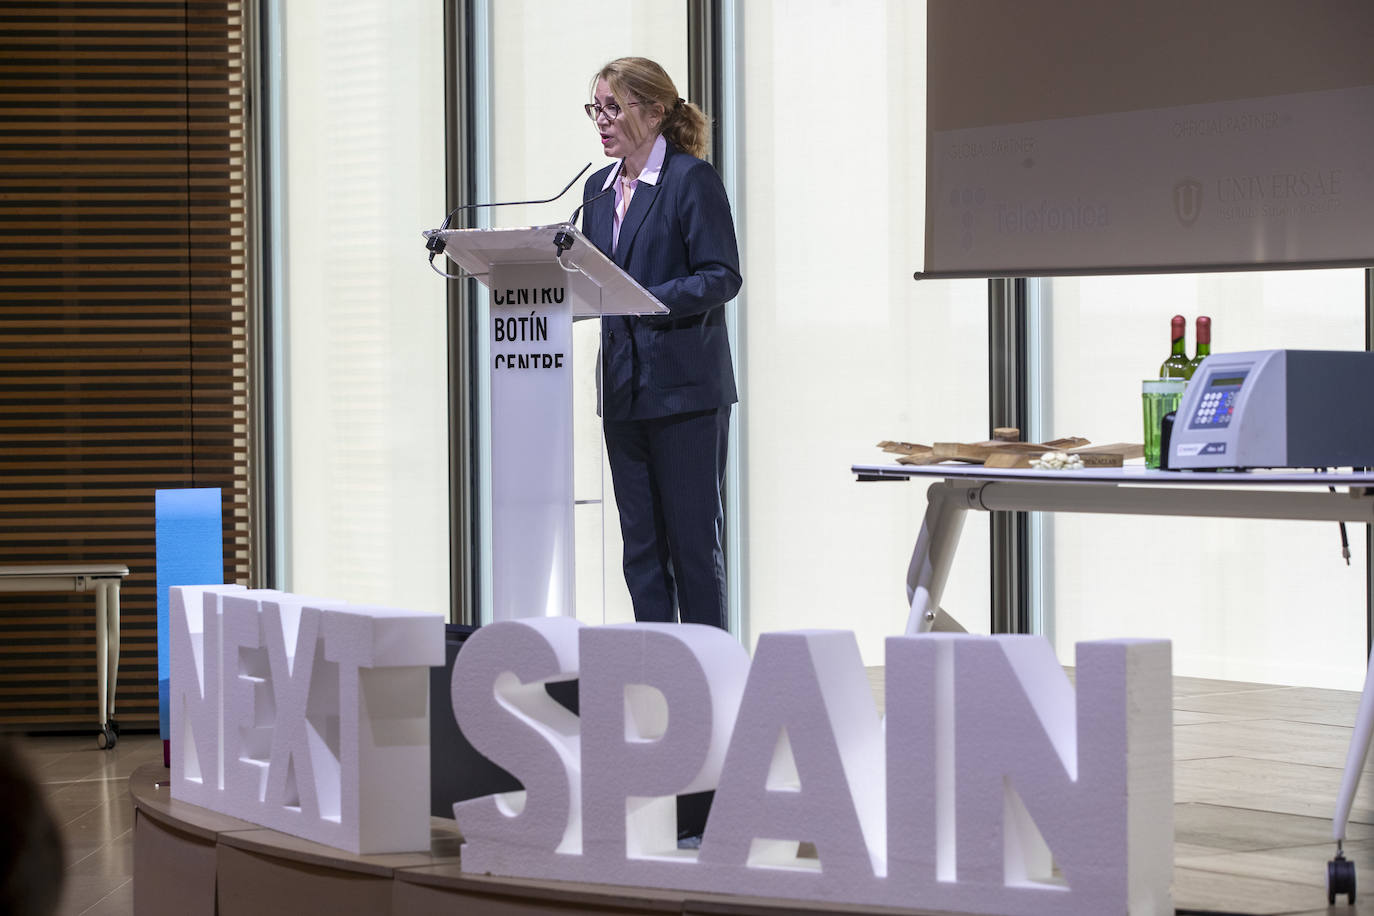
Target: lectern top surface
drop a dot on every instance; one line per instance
(599, 286)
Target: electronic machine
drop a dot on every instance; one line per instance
(1276, 409)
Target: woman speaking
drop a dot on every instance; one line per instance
(666, 381)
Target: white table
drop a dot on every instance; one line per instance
(1131, 490)
(104, 579)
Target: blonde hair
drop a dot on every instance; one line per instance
(638, 79)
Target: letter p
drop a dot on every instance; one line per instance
(658, 705)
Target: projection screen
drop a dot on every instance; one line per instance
(1133, 136)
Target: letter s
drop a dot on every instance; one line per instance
(503, 709)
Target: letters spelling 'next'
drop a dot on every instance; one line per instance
(308, 717)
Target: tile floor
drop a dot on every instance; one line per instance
(1256, 774)
(88, 791)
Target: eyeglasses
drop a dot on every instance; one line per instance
(611, 111)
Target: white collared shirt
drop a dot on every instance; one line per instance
(625, 190)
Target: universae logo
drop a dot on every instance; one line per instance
(1188, 201)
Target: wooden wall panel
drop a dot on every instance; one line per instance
(123, 320)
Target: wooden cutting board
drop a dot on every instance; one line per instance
(1002, 453)
(979, 452)
(1093, 456)
(909, 452)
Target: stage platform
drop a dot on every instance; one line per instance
(1256, 770)
(189, 861)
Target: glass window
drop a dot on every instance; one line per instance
(541, 65)
(362, 390)
(1260, 601)
(840, 347)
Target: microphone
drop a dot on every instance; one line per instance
(564, 240)
(436, 245)
(572, 220)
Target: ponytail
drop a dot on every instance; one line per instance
(685, 126)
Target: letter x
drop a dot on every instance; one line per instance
(290, 692)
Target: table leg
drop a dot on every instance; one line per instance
(946, 506)
(1355, 757)
(112, 646)
(101, 648)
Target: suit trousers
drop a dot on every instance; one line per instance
(668, 474)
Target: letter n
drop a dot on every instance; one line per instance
(194, 689)
(1048, 779)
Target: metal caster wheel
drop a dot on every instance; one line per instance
(114, 726)
(106, 737)
(1340, 879)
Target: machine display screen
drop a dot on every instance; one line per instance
(1218, 403)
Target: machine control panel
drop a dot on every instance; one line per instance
(1217, 402)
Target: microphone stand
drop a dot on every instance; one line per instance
(563, 240)
(436, 245)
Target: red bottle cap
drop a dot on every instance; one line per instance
(1204, 330)
(1177, 326)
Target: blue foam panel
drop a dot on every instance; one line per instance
(190, 551)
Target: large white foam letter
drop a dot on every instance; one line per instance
(291, 632)
(383, 657)
(919, 690)
(506, 714)
(1041, 785)
(195, 741)
(805, 763)
(249, 709)
(658, 704)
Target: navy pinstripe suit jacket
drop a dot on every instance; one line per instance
(678, 241)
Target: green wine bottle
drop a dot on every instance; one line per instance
(1204, 343)
(1176, 366)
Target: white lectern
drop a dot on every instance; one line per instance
(536, 291)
